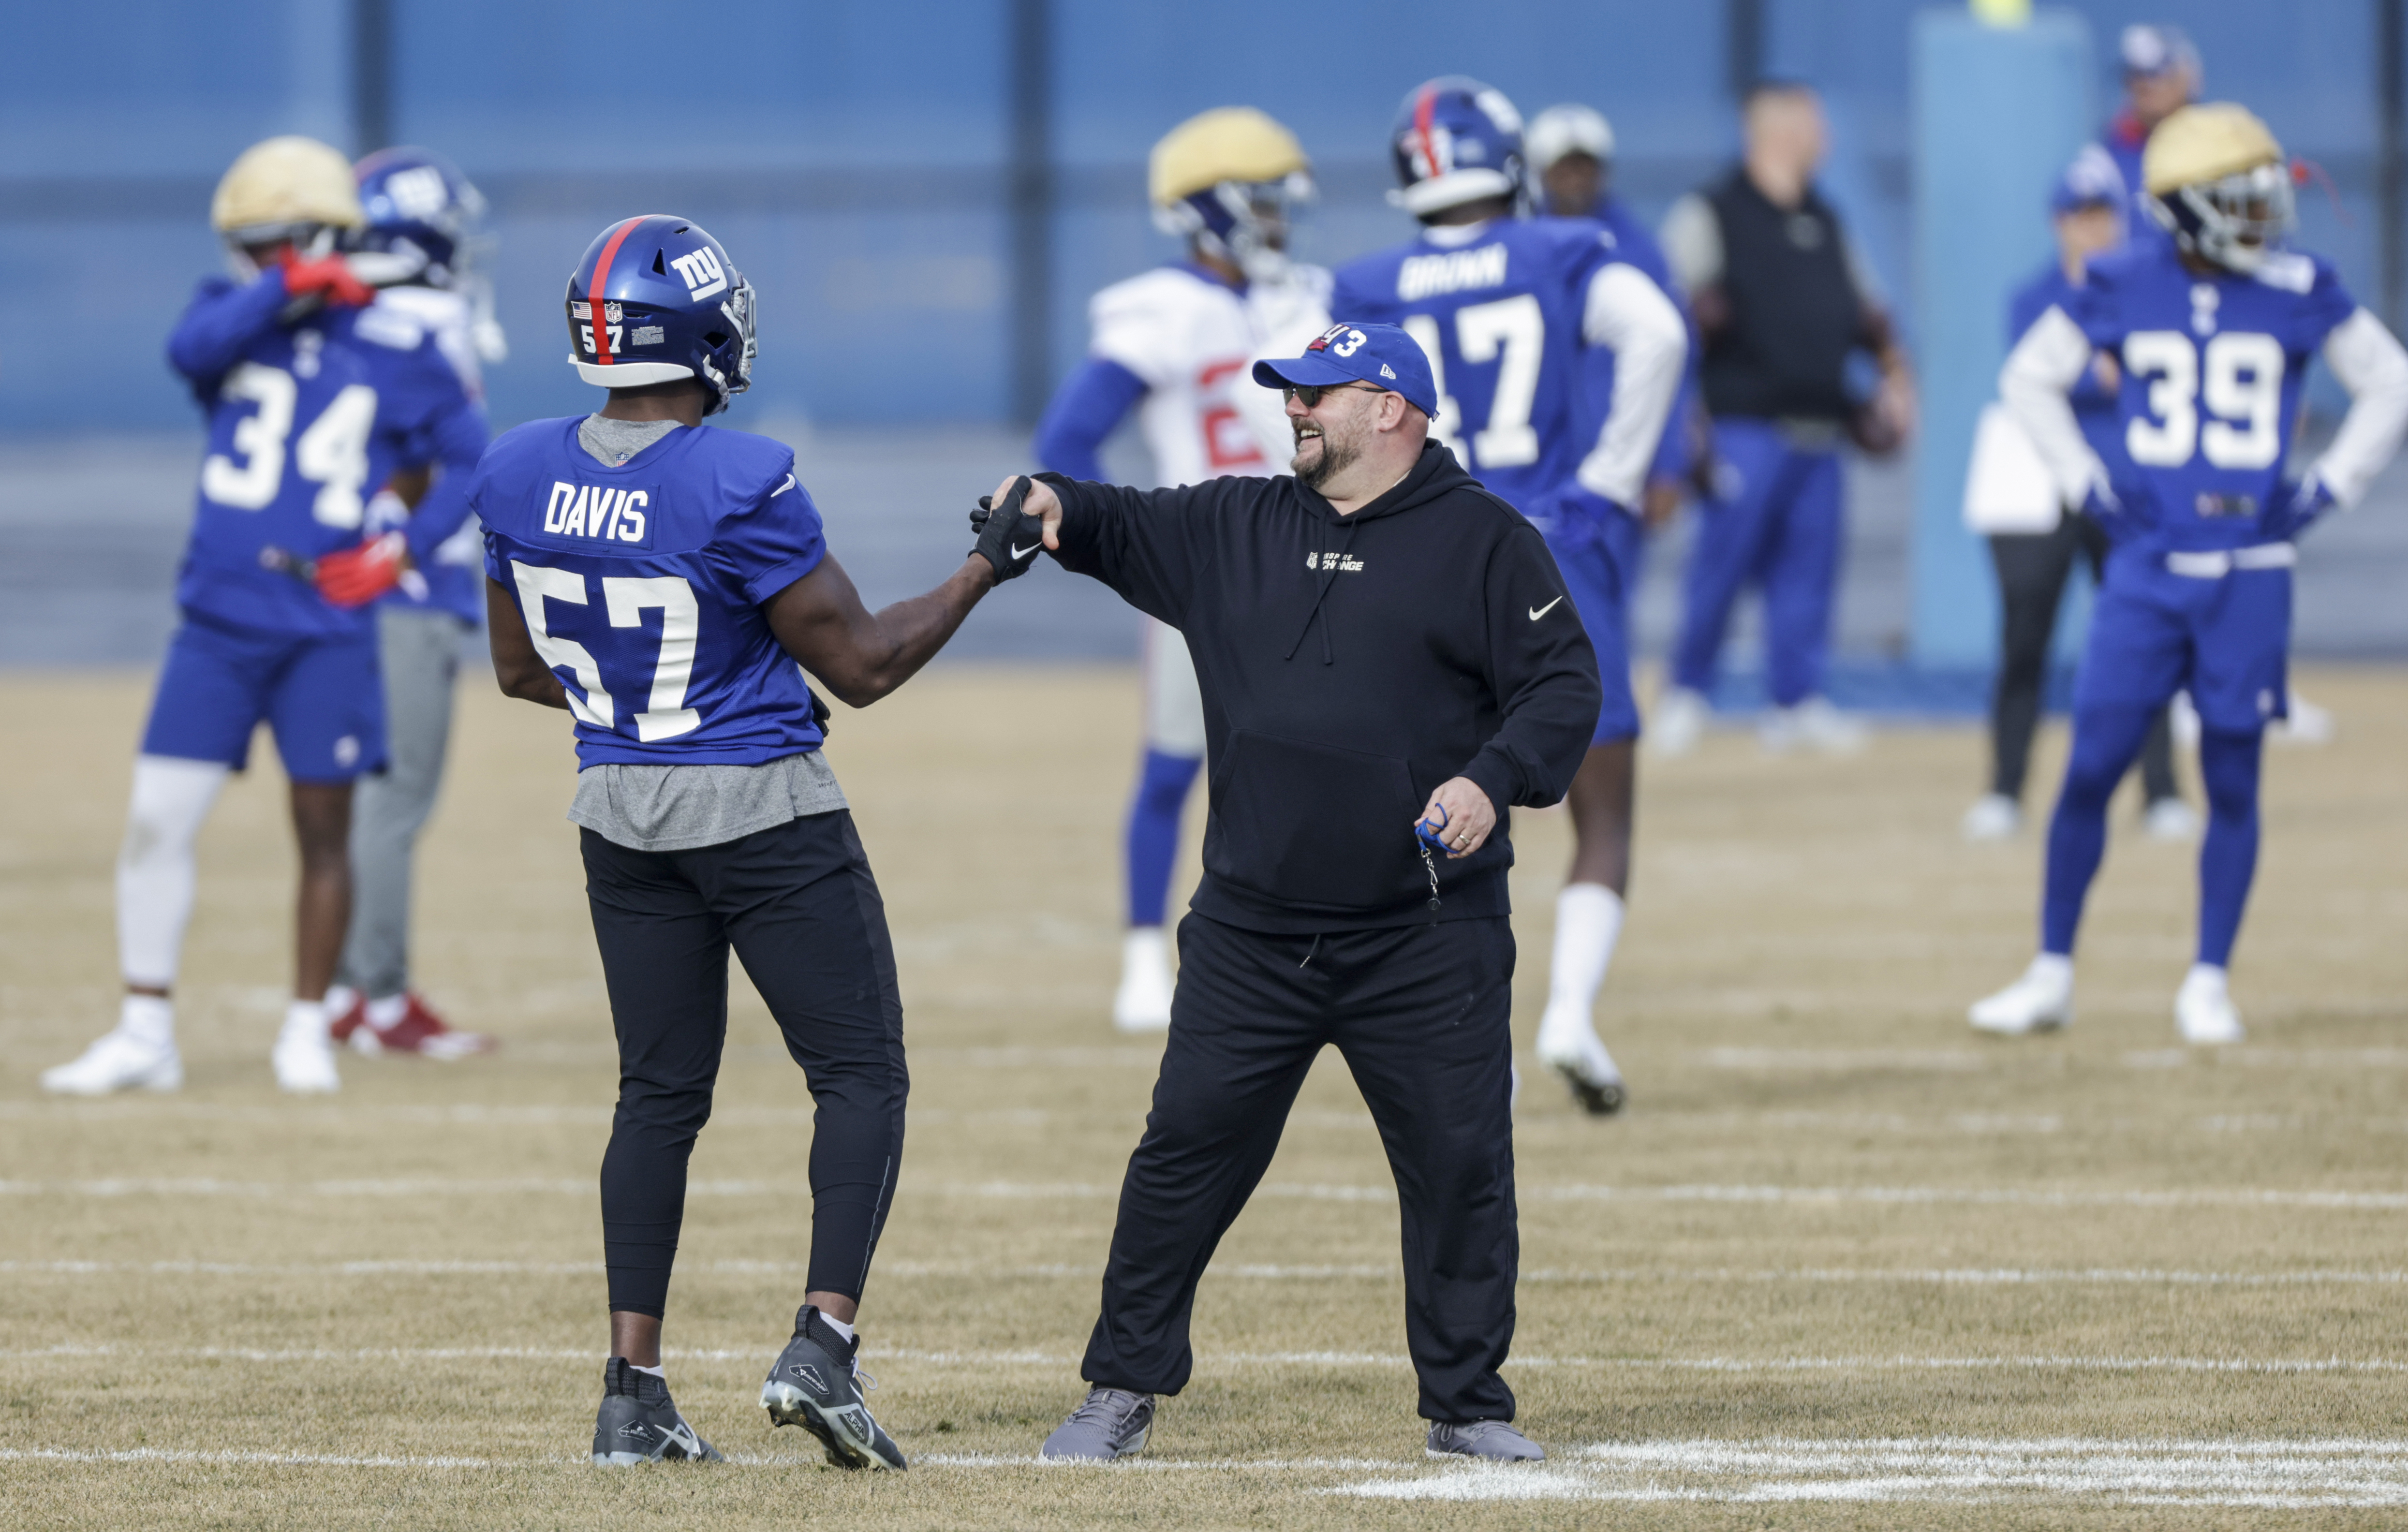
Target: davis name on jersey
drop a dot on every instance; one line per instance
(1498, 309)
(2213, 366)
(305, 423)
(642, 587)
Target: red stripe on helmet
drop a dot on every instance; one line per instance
(601, 283)
(1424, 114)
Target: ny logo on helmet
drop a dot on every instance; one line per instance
(1339, 341)
(704, 276)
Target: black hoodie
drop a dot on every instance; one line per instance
(1349, 666)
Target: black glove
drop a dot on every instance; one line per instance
(1006, 538)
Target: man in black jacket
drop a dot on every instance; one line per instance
(1388, 663)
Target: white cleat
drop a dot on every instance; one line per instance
(1142, 1003)
(2203, 1010)
(1812, 725)
(1678, 723)
(2170, 819)
(2041, 1001)
(1994, 816)
(1569, 1045)
(118, 1061)
(2308, 724)
(304, 1064)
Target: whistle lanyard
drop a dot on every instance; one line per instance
(1426, 840)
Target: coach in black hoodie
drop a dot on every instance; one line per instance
(1388, 662)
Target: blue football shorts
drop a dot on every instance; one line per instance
(1591, 566)
(322, 697)
(2224, 638)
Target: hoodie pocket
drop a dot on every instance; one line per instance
(1308, 824)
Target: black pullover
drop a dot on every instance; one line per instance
(1349, 666)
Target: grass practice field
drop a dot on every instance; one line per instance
(1841, 1262)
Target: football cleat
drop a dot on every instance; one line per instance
(2041, 1001)
(639, 1423)
(2203, 1010)
(1679, 723)
(1569, 1045)
(2170, 819)
(1994, 816)
(118, 1061)
(1110, 1423)
(1489, 1440)
(817, 1385)
(1142, 1003)
(1811, 724)
(303, 1058)
(418, 1031)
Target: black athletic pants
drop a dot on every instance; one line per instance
(2032, 570)
(797, 903)
(1419, 1013)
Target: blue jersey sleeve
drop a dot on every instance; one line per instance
(1089, 406)
(220, 321)
(772, 542)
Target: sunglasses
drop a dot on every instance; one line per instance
(1311, 394)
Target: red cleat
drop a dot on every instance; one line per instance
(419, 1031)
(340, 1031)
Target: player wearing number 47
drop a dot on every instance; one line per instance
(662, 581)
(314, 400)
(2214, 330)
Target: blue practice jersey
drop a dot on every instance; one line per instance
(2094, 406)
(642, 587)
(305, 421)
(1499, 313)
(2213, 366)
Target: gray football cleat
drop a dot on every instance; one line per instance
(816, 1386)
(1112, 1423)
(638, 1424)
(1489, 1440)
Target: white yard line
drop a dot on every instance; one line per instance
(311, 1460)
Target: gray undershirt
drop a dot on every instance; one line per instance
(679, 808)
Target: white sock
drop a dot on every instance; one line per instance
(304, 1019)
(148, 1019)
(662, 1373)
(2055, 967)
(156, 866)
(837, 1325)
(340, 998)
(383, 1013)
(1588, 923)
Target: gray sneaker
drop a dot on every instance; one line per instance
(1112, 1423)
(1489, 1440)
(816, 1386)
(638, 1424)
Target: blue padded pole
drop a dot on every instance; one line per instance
(1998, 113)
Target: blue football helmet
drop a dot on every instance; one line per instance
(421, 209)
(672, 306)
(1455, 141)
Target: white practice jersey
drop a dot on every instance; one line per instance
(1193, 342)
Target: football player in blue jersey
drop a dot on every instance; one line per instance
(314, 400)
(669, 585)
(1524, 319)
(2215, 330)
(421, 232)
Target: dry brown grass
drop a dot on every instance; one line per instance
(1804, 937)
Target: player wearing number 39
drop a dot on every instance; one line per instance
(314, 399)
(668, 584)
(2215, 330)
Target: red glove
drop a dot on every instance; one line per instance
(326, 277)
(357, 575)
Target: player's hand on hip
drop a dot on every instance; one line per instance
(1459, 816)
(357, 575)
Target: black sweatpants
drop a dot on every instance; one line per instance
(797, 903)
(2032, 569)
(1419, 1013)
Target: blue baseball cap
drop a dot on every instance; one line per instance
(2090, 180)
(1381, 356)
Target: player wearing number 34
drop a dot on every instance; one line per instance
(2215, 330)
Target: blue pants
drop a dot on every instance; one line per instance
(1599, 563)
(322, 697)
(1779, 531)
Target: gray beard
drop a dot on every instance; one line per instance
(1334, 460)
